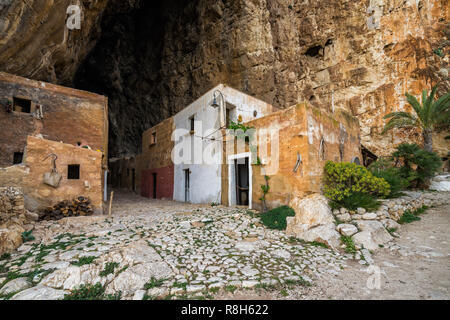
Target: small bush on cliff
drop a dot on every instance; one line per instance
(385, 169)
(342, 180)
(417, 165)
(276, 218)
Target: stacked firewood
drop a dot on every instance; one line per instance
(80, 206)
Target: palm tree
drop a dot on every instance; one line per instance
(428, 115)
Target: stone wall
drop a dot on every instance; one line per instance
(370, 230)
(314, 221)
(158, 155)
(29, 175)
(12, 217)
(69, 115)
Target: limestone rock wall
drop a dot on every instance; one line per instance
(35, 42)
(152, 58)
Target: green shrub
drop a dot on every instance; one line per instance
(27, 236)
(410, 216)
(357, 200)
(385, 169)
(341, 180)
(5, 256)
(418, 165)
(276, 218)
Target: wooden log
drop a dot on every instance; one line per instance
(110, 202)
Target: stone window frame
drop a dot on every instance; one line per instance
(153, 139)
(32, 105)
(69, 166)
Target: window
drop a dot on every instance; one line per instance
(73, 172)
(153, 139)
(21, 105)
(192, 123)
(18, 157)
(230, 115)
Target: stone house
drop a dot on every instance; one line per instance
(172, 163)
(190, 158)
(43, 121)
(198, 131)
(292, 147)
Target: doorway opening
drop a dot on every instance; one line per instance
(242, 185)
(154, 185)
(240, 180)
(133, 179)
(186, 184)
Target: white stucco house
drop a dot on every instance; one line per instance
(197, 154)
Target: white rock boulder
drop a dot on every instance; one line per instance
(373, 234)
(344, 217)
(40, 292)
(311, 211)
(347, 229)
(313, 221)
(325, 234)
(440, 183)
(15, 285)
(369, 216)
(364, 239)
(390, 224)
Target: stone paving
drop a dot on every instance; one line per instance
(161, 249)
(154, 249)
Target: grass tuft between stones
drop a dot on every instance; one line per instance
(91, 292)
(83, 260)
(276, 218)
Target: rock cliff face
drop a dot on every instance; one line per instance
(35, 42)
(152, 58)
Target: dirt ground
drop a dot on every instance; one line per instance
(415, 266)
